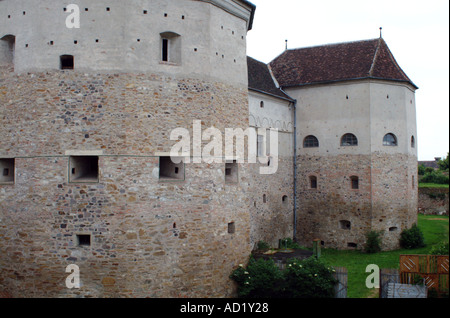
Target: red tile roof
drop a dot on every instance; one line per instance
(337, 62)
(260, 79)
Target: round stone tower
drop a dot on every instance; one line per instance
(87, 113)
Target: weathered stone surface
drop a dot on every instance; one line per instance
(385, 200)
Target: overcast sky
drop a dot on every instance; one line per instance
(416, 31)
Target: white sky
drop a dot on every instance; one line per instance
(416, 31)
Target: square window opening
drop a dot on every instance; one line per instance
(84, 169)
(66, 62)
(83, 240)
(171, 169)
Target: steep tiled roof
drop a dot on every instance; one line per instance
(337, 62)
(260, 79)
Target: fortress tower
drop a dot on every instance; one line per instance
(86, 117)
(356, 142)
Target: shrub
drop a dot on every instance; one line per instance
(289, 243)
(373, 242)
(444, 164)
(262, 246)
(440, 249)
(421, 170)
(435, 176)
(308, 278)
(261, 279)
(412, 238)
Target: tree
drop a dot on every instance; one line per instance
(421, 170)
(443, 164)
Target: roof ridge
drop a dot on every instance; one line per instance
(391, 56)
(330, 44)
(375, 57)
(257, 60)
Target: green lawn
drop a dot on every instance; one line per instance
(435, 230)
(433, 185)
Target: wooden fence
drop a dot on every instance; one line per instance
(432, 269)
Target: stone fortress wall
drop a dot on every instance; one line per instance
(131, 230)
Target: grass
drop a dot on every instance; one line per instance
(435, 230)
(433, 185)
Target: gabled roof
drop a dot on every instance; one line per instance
(337, 62)
(261, 80)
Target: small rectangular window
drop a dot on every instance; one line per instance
(171, 169)
(171, 48)
(231, 172)
(355, 182)
(231, 228)
(345, 225)
(313, 182)
(7, 167)
(260, 146)
(83, 169)
(165, 50)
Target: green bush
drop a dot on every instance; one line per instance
(289, 243)
(373, 242)
(440, 249)
(308, 278)
(435, 176)
(444, 164)
(263, 246)
(261, 279)
(421, 170)
(412, 238)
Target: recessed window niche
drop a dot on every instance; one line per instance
(7, 171)
(231, 228)
(170, 48)
(170, 170)
(66, 62)
(345, 225)
(83, 240)
(7, 49)
(83, 169)
(231, 172)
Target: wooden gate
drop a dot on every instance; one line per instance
(341, 275)
(432, 269)
(388, 276)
